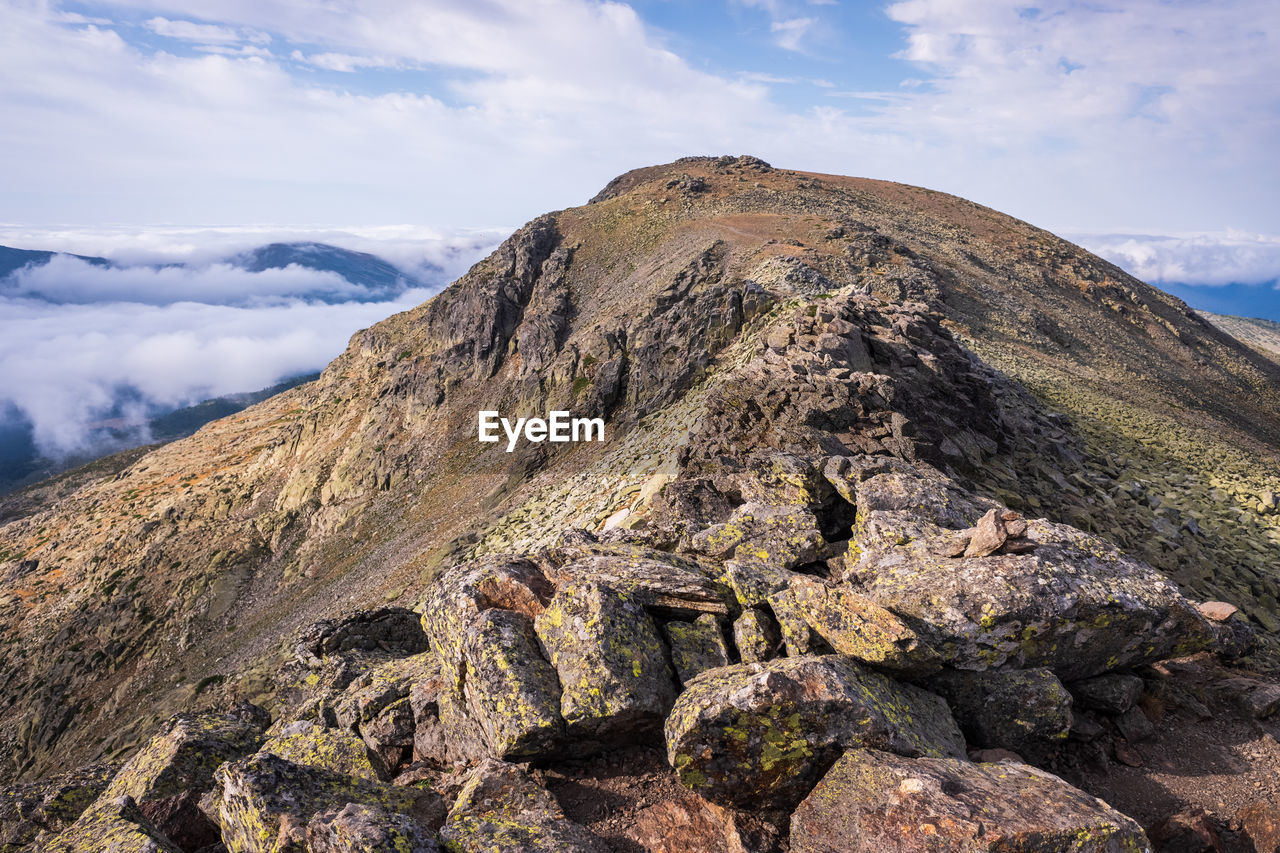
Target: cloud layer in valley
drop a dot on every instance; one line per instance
(80, 343)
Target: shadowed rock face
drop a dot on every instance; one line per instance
(852, 427)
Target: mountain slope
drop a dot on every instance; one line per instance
(1259, 334)
(1032, 371)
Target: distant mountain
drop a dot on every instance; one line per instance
(12, 260)
(21, 463)
(1260, 334)
(374, 279)
(380, 277)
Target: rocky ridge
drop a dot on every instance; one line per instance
(808, 567)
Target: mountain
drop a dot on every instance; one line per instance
(12, 260)
(1263, 335)
(22, 464)
(867, 445)
(382, 279)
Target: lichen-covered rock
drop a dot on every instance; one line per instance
(1074, 604)
(873, 802)
(1024, 710)
(781, 536)
(185, 753)
(377, 707)
(362, 828)
(1113, 692)
(335, 750)
(761, 734)
(500, 808)
(264, 802)
(653, 578)
(110, 826)
(50, 805)
(511, 691)
(696, 646)
(456, 600)
(756, 635)
(394, 629)
(753, 582)
(165, 779)
(854, 626)
(610, 660)
(798, 638)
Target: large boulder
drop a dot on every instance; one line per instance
(110, 826)
(781, 536)
(511, 690)
(611, 662)
(377, 706)
(165, 779)
(760, 735)
(389, 629)
(696, 646)
(1024, 710)
(460, 640)
(854, 626)
(653, 578)
(50, 805)
(500, 808)
(336, 750)
(874, 802)
(1072, 603)
(264, 803)
(360, 828)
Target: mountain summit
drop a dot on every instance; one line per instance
(888, 477)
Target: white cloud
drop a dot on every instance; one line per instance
(789, 33)
(1197, 259)
(171, 336)
(203, 33)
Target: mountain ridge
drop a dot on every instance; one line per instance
(1018, 365)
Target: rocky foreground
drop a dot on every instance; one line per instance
(836, 582)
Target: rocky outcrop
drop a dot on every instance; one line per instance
(872, 802)
(501, 808)
(762, 734)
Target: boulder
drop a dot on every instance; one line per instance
(377, 706)
(690, 824)
(696, 646)
(264, 803)
(760, 735)
(114, 825)
(1187, 831)
(463, 640)
(778, 536)
(1074, 604)
(1112, 693)
(1260, 825)
(50, 805)
(756, 635)
(336, 750)
(501, 808)
(358, 828)
(165, 779)
(389, 629)
(798, 638)
(1026, 711)
(854, 626)
(511, 691)
(753, 582)
(1135, 726)
(653, 578)
(874, 802)
(610, 661)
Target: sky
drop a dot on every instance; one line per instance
(146, 130)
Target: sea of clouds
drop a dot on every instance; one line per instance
(81, 343)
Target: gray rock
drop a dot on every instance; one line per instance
(1027, 711)
(760, 735)
(696, 646)
(871, 802)
(1113, 692)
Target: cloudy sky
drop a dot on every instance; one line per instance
(1144, 129)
